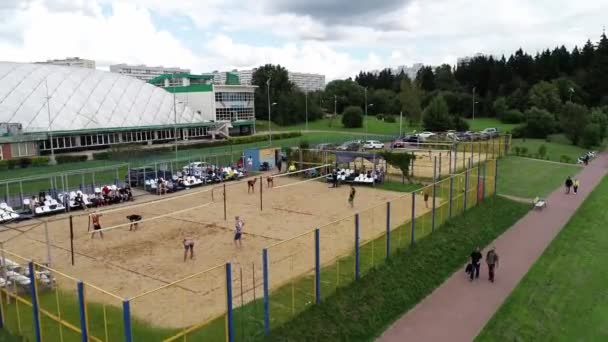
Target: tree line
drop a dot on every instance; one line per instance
(555, 90)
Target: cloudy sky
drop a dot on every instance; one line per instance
(337, 38)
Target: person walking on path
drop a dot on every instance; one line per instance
(492, 261)
(568, 184)
(238, 232)
(475, 263)
(426, 198)
(351, 196)
(575, 186)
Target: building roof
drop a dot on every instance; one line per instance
(82, 99)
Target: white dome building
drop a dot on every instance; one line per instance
(92, 109)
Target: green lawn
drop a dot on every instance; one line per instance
(375, 126)
(529, 178)
(361, 310)
(563, 297)
(557, 148)
(481, 123)
(398, 186)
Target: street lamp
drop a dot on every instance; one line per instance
(365, 91)
(368, 106)
(52, 161)
(269, 105)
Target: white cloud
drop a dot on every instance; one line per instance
(432, 32)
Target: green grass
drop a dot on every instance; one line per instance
(361, 310)
(481, 123)
(557, 148)
(563, 297)
(529, 178)
(375, 126)
(398, 186)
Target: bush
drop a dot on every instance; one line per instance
(542, 151)
(524, 151)
(40, 161)
(101, 155)
(512, 116)
(565, 159)
(540, 123)
(304, 145)
(517, 150)
(460, 124)
(380, 117)
(352, 117)
(390, 119)
(24, 162)
(591, 135)
(62, 159)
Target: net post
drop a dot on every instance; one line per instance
(82, 311)
(317, 268)
(434, 192)
(126, 318)
(230, 335)
(357, 246)
(35, 308)
(495, 175)
(413, 216)
(466, 187)
(388, 229)
(261, 196)
(225, 217)
(266, 298)
(451, 192)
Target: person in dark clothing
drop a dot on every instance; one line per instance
(568, 184)
(475, 263)
(586, 160)
(492, 261)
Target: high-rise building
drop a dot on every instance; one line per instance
(144, 72)
(410, 71)
(71, 62)
(304, 81)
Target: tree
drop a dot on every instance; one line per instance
(591, 135)
(347, 93)
(460, 124)
(545, 95)
(401, 161)
(512, 116)
(539, 123)
(279, 85)
(444, 78)
(352, 117)
(409, 99)
(573, 119)
(426, 78)
(600, 117)
(383, 101)
(436, 115)
(500, 107)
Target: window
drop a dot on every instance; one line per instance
(25, 149)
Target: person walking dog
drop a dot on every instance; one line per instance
(492, 261)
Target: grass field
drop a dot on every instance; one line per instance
(529, 178)
(362, 310)
(555, 149)
(563, 297)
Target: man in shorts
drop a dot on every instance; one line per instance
(134, 221)
(238, 231)
(96, 224)
(188, 246)
(351, 196)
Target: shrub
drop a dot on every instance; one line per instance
(62, 159)
(101, 155)
(352, 117)
(11, 163)
(380, 117)
(24, 162)
(565, 159)
(460, 124)
(540, 123)
(304, 145)
(518, 132)
(542, 151)
(517, 150)
(591, 135)
(40, 161)
(390, 119)
(524, 150)
(512, 116)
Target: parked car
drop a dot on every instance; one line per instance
(425, 135)
(490, 132)
(373, 145)
(326, 147)
(452, 135)
(349, 146)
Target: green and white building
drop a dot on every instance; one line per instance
(78, 109)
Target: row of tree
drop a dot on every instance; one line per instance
(568, 86)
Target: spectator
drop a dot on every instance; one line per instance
(492, 261)
(475, 263)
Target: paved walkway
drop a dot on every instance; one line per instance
(458, 310)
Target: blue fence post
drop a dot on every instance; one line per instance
(126, 319)
(388, 229)
(36, 311)
(451, 192)
(413, 215)
(466, 187)
(84, 331)
(266, 299)
(356, 246)
(317, 268)
(229, 302)
(434, 192)
(495, 175)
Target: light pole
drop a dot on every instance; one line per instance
(370, 106)
(50, 131)
(269, 105)
(474, 103)
(400, 124)
(306, 97)
(365, 91)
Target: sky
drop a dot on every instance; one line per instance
(336, 38)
